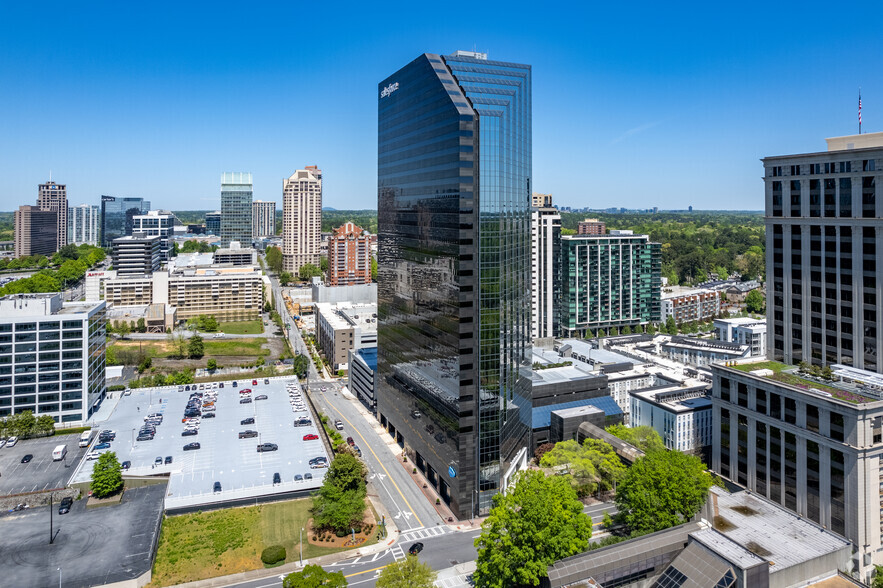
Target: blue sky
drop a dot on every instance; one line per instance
(634, 105)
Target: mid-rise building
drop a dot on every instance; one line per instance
(157, 223)
(362, 375)
(136, 255)
(236, 208)
(342, 327)
(301, 218)
(117, 216)
(545, 260)
(236, 256)
(824, 240)
(454, 196)
(591, 226)
(538, 200)
(263, 219)
(53, 197)
(680, 413)
(213, 223)
(63, 343)
(702, 352)
(609, 281)
(83, 223)
(35, 231)
(688, 305)
(349, 256)
(744, 331)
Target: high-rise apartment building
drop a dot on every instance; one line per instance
(263, 221)
(136, 255)
(157, 223)
(824, 243)
(591, 226)
(35, 231)
(117, 216)
(213, 223)
(53, 197)
(454, 196)
(349, 256)
(236, 213)
(538, 200)
(83, 222)
(609, 281)
(545, 259)
(302, 218)
(62, 341)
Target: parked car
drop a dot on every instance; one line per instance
(298, 478)
(235, 384)
(415, 549)
(208, 415)
(168, 459)
(302, 422)
(216, 487)
(65, 506)
(144, 438)
(189, 432)
(221, 385)
(93, 455)
(157, 461)
(11, 441)
(310, 437)
(266, 380)
(126, 465)
(254, 382)
(248, 421)
(267, 447)
(187, 447)
(27, 458)
(350, 441)
(246, 400)
(338, 424)
(260, 397)
(308, 476)
(247, 434)
(277, 479)
(357, 450)
(102, 446)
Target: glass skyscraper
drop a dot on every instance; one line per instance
(117, 215)
(454, 306)
(236, 208)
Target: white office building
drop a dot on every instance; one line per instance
(157, 223)
(82, 224)
(680, 413)
(744, 331)
(545, 254)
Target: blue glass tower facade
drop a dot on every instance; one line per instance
(236, 208)
(454, 307)
(117, 216)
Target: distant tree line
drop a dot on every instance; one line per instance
(63, 269)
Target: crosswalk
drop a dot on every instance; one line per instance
(461, 581)
(424, 533)
(397, 552)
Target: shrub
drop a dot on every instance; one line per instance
(438, 501)
(273, 554)
(340, 533)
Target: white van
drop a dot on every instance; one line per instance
(59, 452)
(85, 438)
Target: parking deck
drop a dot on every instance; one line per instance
(41, 473)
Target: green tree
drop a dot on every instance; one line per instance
(626, 330)
(644, 438)
(196, 347)
(592, 465)
(24, 424)
(346, 472)
(661, 490)
(340, 502)
(670, 326)
(373, 269)
(110, 355)
(274, 259)
(301, 365)
(754, 302)
(308, 270)
(212, 364)
(142, 326)
(313, 576)
(323, 264)
(107, 475)
(651, 329)
(878, 577)
(45, 424)
(67, 252)
(536, 523)
(407, 573)
(285, 278)
(124, 329)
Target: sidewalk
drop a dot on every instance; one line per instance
(457, 576)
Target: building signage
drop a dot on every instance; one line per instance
(387, 91)
(452, 472)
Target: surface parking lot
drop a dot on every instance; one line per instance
(41, 473)
(222, 457)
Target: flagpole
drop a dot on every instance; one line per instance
(860, 110)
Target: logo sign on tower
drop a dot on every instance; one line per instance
(389, 90)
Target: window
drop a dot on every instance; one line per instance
(868, 165)
(795, 170)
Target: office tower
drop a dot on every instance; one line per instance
(545, 259)
(213, 223)
(591, 226)
(538, 200)
(82, 224)
(609, 281)
(349, 256)
(263, 221)
(117, 216)
(35, 231)
(157, 223)
(454, 195)
(69, 391)
(824, 240)
(53, 197)
(302, 218)
(136, 255)
(236, 193)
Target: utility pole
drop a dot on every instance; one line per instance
(51, 535)
(301, 547)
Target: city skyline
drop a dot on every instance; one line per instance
(606, 98)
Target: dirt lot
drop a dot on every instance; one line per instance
(227, 352)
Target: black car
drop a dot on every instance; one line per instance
(247, 434)
(416, 548)
(209, 415)
(260, 397)
(186, 388)
(267, 447)
(245, 400)
(27, 458)
(189, 432)
(298, 478)
(277, 479)
(168, 459)
(187, 447)
(221, 385)
(248, 421)
(308, 476)
(65, 506)
(440, 438)
(126, 465)
(216, 487)
(105, 437)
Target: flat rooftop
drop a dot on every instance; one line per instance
(852, 391)
(557, 375)
(676, 291)
(345, 316)
(692, 395)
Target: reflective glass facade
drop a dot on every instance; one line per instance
(454, 175)
(117, 216)
(236, 208)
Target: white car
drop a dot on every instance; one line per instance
(11, 441)
(2, 443)
(94, 454)
(218, 335)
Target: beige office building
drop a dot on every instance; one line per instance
(53, 197)
(263, 219)
(35, 231)
(301, 218)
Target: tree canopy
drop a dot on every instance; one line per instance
(107, 475)
(196, 347)
(313, 576)
(754, 302)
(644, 438)
(340, 502)
(407, 573)
(537, 522)
(274, 259)
(592, 466)
(308, 270)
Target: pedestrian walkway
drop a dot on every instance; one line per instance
(459, 576)
(425, 533)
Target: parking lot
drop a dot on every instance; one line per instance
(223, 457)
(41, 473)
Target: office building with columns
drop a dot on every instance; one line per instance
(53, 197)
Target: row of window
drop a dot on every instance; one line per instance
(832, 167)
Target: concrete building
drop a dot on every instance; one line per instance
(342, 327)
(117, 216)
(591, 226)
(362, 375)
(35, 231)
(824, 240)
(236, 255)
(687, 305)
(138, 254)
(53, 197)
(236, 208)
(83, 224)
(609, 281)
(356, 294)
(301, 218)
(680, 413)
(545, 260)
(538, 200)
(702, 352)
(213, 223)
(744, 331)
(69, 358)
(349, 256)
(157, 223)
(813, 447)
(263, 221)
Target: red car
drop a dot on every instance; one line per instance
(245, 391)
(311, 437)
(254, 382)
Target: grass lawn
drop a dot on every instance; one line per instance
(243, 328)
(222, 542)
(796, 380)
(238, 347)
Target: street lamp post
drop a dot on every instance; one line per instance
(301, 547)
(59, 577)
